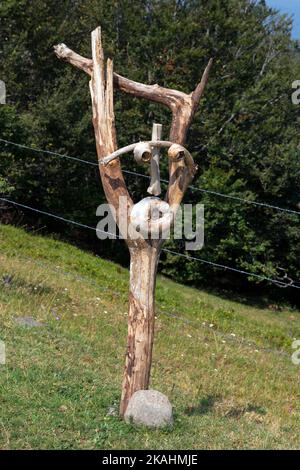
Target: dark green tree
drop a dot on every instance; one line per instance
(244, 137)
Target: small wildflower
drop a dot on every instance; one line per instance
(211, 325)
(232, 334)
(54, 313)
(189, 336)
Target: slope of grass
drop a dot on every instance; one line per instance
(225, 365)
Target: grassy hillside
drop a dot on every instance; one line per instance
(224, 364)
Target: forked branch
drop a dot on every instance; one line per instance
(183, 107)
(171, 98)
(167, 96)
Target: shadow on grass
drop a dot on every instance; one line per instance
(238, 412)
(205, 406)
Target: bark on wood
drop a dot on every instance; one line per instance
(144, 253)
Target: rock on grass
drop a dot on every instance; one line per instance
(149, 408)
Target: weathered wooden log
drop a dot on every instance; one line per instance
(143, 269)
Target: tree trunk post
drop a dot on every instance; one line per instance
(144, 252)
(143, 269)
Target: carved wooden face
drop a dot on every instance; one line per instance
(148, 153)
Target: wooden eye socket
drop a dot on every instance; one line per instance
(180, 156)
(176, 153)
(146, 157)
(142, 153)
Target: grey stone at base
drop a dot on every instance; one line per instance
(149, 408)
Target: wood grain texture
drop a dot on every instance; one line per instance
(143, 269)
(101, 89)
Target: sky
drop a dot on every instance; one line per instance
(290, 7)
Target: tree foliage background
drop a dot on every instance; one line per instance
(244, 137)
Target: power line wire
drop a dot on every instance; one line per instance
(201, 260)
(49, 152)
(58, 217)
(222, 266)
(136, 174)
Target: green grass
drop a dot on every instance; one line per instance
(232, 385)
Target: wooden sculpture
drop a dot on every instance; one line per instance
(144, 251)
